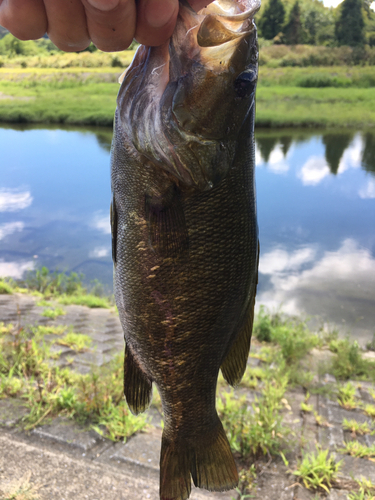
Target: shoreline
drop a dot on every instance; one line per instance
(87, 97)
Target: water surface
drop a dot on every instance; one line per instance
(316, 210)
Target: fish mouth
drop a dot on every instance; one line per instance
(226, 20)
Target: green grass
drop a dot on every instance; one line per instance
(53, 312)
(88, 300)
(76, 341)
(60, 287)
(87, 96)
(282, 106)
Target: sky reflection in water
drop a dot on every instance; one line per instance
(316, 209)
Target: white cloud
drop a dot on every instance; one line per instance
(369, 190)
(12, 200)
(99, 252)
(102, 223)
(313, 171)
(258, 156)
(10, 228)
(15, 269)
(276, 161)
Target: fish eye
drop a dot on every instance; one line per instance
(244, 84)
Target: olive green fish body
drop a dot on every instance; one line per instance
(185, 248)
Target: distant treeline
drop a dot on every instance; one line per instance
(291, 33)
(293, 22)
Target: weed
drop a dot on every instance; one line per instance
(42, 330)
(366, 490)
(349, 362)
(21, 489)
(317, 470)
(256, 429)
(76, 341)
(370, 346)
(246, 483)
(356, 427)
(356, 449)
(5, 287)
(320, 420)
(346, 396)
(53, 283)
(53, 313)
(305, 407)
(252, 376)
(119, 422)
(292, 336)
(43, 303)
(6, 329)
(50, 391)
(369, 410)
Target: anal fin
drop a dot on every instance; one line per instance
(137, 385)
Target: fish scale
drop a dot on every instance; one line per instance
(185, 239)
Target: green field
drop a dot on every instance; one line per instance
(287, 97)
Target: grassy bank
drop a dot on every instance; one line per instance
(286, 97)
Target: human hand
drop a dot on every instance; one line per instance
(110, 24)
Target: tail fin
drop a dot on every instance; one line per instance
(208, 459)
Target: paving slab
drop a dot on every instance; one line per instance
(67, 431)
(12, 410)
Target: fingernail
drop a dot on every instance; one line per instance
(104, 4)
(159, 12)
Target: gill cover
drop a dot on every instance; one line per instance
(182, 105)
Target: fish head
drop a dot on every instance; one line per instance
(184, 103)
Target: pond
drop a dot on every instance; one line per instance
(316, 211)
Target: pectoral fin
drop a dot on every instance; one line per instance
(113, 215)
(137, 386)
(168, 233)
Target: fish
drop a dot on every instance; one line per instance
(184, 232)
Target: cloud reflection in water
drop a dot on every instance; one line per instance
(12, 200)
(339, 285)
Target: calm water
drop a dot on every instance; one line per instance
(316, 203)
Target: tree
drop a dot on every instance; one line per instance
(350, 27)
(272, 21)
(294, 29)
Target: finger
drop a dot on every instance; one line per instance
(25, 19)
(67, 24)
(199, 4)
(156, 21)
(111, 23)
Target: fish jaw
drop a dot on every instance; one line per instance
(187, 100)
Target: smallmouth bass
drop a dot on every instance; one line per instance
(184, 232)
